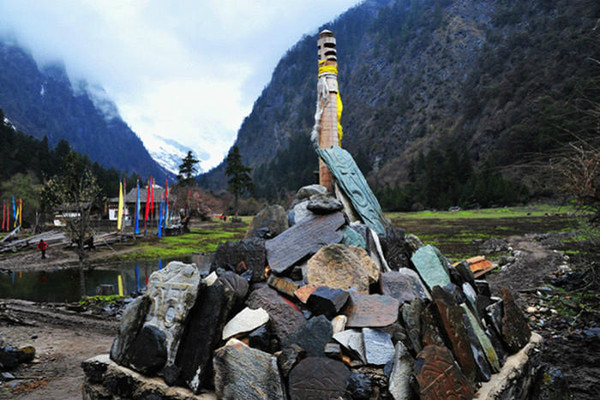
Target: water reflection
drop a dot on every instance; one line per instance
(62, 285)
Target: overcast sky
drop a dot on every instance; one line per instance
(189, 70)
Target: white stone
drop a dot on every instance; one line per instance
(246, 320)
(211, 279)
(339, 323)
(352, 339)
(399, 385)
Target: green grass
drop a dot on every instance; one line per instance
(201, 239)
(538, 210)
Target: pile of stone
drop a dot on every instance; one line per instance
(11, 357)
(325, 301)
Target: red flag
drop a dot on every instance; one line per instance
(147, 201)
(152, 196)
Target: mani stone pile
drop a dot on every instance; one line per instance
(320, 302)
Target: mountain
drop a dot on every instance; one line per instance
(493, 83)
(169, 153)
(42, 101)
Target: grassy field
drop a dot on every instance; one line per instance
(459, 234)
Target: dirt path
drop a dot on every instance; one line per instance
(62, 341)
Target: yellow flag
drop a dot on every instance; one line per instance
(120, 210)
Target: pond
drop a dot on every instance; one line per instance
(62, 285)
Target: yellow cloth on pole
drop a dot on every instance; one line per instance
(332, 69)
(120, 210)
(120, 283)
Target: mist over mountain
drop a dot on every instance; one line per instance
(42, 101)
(495, 84)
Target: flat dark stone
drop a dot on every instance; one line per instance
(148, 352)
(302, 240)
(438, 377)
(451, 315)
(202, 334)
(371, 311)
(515, 330)
(324, 204)
(395, 249)
(318, 379)
(289, 357)
(411, 315)
(312, 336)
(284, 318)
(430, 331)
(327, 301)
(404, 285)
(131, 324)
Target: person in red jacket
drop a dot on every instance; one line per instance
(43, 246)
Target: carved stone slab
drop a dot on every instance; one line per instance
(351, 180)
(172, 292)
(284, 318)
(452, 320)
(438, 376)
(303, 240)
(318, 379)
(342, 267)
(371, 311)
(242, 372)
(431, 269)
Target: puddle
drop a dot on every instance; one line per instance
(62, 285)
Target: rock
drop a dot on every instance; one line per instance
(245, 321)
(399, 381)
(26, 354)
(413, 243)
(9, 357)
(288, 358)
(403, 285)
(172, 292)
(242, 372)
(353, 238)
(411, 315)
(515, 330)
(430, 331)
(333, 350)
(342, 267)
(306, 192)
(465, 272)
(302, 240)
(375, 251)
(324, 204)
(300, 213)
(494, 245)
(438, 377)
(359, 387)
(372, 311)
(494, 314)
(318, 378)
(452, 321)
(94, 370)
(339, 323)
(249, 251)
(550, 384)
(131, 323)
(379, 349)
(484, 340)
(353, 183)
(273, 218)
(283, 285)
(352, 340)
(203, 334)
(283, 316)
(304, 292)
(327, 301)
(260, 338)
(484, 371)
(312, 337)
(431, 269)
(148, 352)
(395, 250)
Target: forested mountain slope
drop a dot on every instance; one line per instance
(491, 83)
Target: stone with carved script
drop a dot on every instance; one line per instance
(438, 376)
(371, 311)
(303, 240)
(351, 180)
(318, 379)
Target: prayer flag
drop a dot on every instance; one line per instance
(137, 209)
(120, 209)
(160, 218)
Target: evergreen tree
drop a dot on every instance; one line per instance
(239, 176)
(187, 170)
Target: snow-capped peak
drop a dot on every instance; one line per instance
(168, 153)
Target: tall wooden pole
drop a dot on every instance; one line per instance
(329, 123)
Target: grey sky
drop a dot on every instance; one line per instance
(183, 69)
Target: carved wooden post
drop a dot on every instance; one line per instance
(327, 101)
